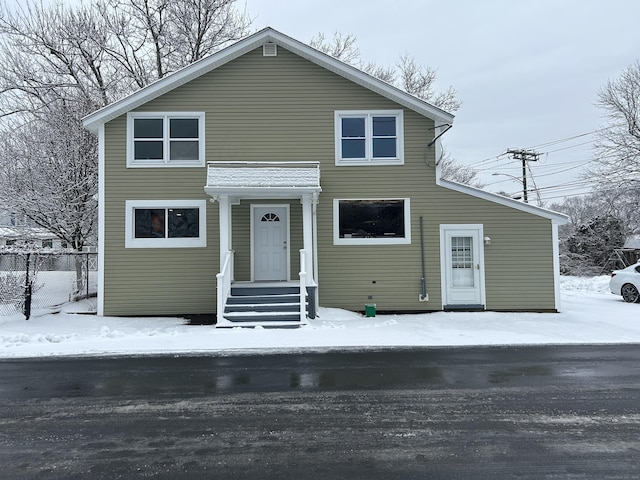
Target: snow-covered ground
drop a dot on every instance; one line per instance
(590, 315)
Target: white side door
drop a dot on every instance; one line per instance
(270, 238)
(462, 257)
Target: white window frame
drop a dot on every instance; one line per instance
(406, 240)
(368, 116)
(165, 161)
(191, 242)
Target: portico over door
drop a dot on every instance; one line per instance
(462, 262)
(270, 239)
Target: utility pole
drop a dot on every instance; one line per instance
(525, 156)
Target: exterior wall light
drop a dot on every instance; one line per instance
(487, 240)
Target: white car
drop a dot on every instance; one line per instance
(626, 282)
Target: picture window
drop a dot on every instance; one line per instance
(377, 221)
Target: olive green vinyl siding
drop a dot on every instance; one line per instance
(154, 281)
(282, 109)
(519, 271)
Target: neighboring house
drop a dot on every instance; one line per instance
(628, 254)
(270, 165)
(18, 232)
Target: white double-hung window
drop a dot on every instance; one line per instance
(157, 139)
(369, 137)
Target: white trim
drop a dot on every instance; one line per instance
(406, 240)
(556, 265)
(195, 242)
(369, 159)
(307, 234)
(101, 219)
(246, 45)
(314, 210)
(287, 208)
(166, 140)
(476, 228)
(224, 227)
(557, 218)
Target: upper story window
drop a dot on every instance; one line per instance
(369, 137)
(165, 139)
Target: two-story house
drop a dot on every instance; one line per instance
(269, 178)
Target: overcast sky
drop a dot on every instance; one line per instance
(527, 72)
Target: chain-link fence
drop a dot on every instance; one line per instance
(33, 283)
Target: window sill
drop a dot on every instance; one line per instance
(153, 164)
(369, 163)
(165, 243)
(372, 241)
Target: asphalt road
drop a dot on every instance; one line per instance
(522, 413)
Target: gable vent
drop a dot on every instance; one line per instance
(269, 49)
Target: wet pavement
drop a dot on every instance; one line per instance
(527, 412)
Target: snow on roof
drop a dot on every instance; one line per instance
(16, 232)
(633, 242)
(249, 176)
(263, 178)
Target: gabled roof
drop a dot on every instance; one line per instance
(207, 64)
(555, 217)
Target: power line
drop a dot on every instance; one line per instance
(525, 156)
(548, 144)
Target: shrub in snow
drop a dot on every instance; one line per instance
(12, 289)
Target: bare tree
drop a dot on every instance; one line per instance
(340, 46)
(48, 54)
(52, 72)
(456, 172)
(151, 38)
(406, 74)
(47, 172)
(60, 62)
(419, 81)
(618, 148)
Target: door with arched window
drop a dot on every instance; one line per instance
(270, 236)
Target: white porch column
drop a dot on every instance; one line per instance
(307, 229)
(225, 227)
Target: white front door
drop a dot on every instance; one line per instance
(270, 242)
(463, 265)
